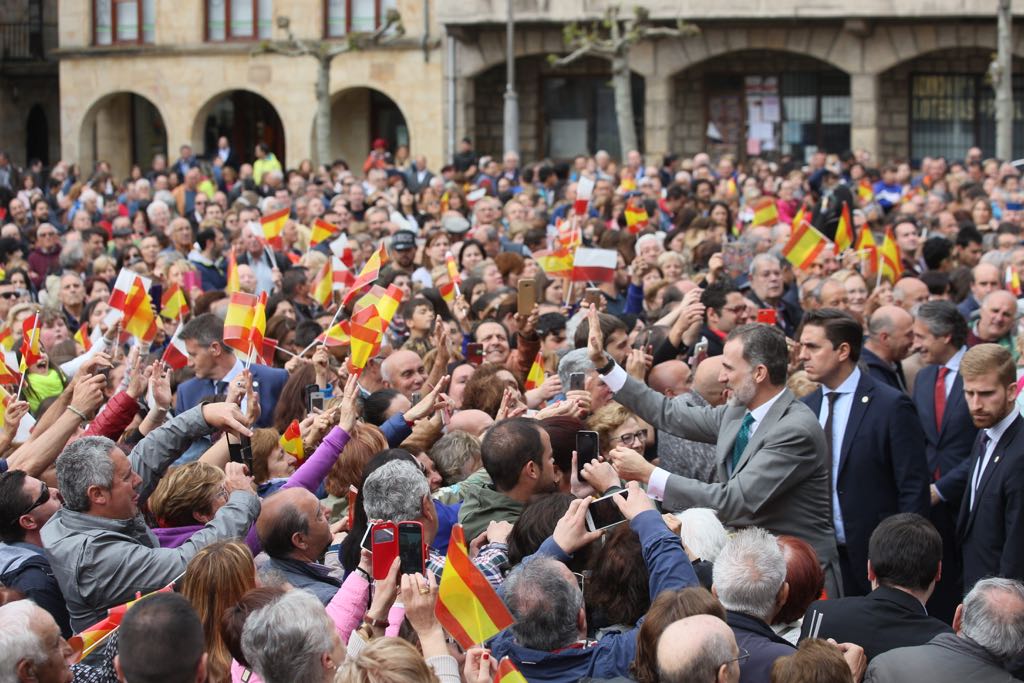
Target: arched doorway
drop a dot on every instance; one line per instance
(563, 111)
(37, 136)
(123, 128)
(246, 119)
(766, 103)
(358, 117)
(942, 104)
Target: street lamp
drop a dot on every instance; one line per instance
(511, 137)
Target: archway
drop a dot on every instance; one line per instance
(358, 117)
(37, 136)
(761, 103)
(563, 111)
(245, 119)
(110, 120)
(942, 103)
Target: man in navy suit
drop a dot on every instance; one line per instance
(877, 446)
(216, 365)
(991, 521)
(940, 335)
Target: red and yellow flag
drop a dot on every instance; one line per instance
(366, 330)
(556, 263)
(636, 215)
(7, 375)
(322, 232)
(82, 337)
(323, 290)
(536, 376)
(765, 212)
(369, 273)
(453, 269)
(867, 248)
(259, 329)
(447, 290)
(1013, 280)
(799, 218)
(864, 191)
(87, 641)
(804, 246)
(6, 338)
(468, 607)
(239, 321)
(508, 672)
(139, 318)
(844, 231)
(291, 442)
(386, 302)
(273, 224)
(30, 351)
(173, 304)
(233, 284)
(336, 335)
(891, 262)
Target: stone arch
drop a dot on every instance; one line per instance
(805, 104)
(245, 117)
(37, 135)
(359, 115)
(102, 131)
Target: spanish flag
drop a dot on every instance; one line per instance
(336, 335)
(322, 231)
(453, 269)
(89, 639)
(173, 304)
(291, 442)
(864, 191)
(804, 246)
(890, 258)
(799, 218)
(323, 290)
(844, 231)
(468, 607)
(507, 671)
(447, 290)
(259, 328)
(30, 351)
(369, 274)
(366, 332)
(557, 263)
(765, 212)
(238, 321)
(82, 337)
(5, 400)
(139, 318)
(6, 338)
(233, 284)
(536, 376)
(7, 375)
(1013, 280)
(636, 215)
(273, 224)
(867, 248)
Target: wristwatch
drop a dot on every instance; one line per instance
(607, 367)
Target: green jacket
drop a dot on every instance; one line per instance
(482, 505)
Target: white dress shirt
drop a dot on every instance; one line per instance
(843, 406)
(994, 433)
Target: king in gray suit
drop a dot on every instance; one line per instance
(771, 452)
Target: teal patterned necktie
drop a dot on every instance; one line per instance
(741, 440)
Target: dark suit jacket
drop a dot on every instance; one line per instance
(789, 318)
(414, 185)
(885, 373)
(946, 658)
(882, 467)
(271, 382)
(949, 449)
(883, 620)
(764, 646)
(281, 261)
(992, 534)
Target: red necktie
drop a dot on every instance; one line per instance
(940, 396)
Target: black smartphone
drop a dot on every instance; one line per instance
(577, 381)
(474, 353)
(314, 398)
(587, 448)
(410, 548)
(240, 451)
(603, 512)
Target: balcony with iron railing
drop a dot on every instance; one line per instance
(27, 41)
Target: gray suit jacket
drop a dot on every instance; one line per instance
(781, 482)
(945, 659)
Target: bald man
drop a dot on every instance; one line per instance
(295, 531)
(998, 316)
(403, 371)
(833, 295)
(698, 648)
(985, 278)
(889, 340)
(910, 292)
(473, 421)
(671, 378)
(677, 455)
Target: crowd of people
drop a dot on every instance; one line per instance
(819, 466)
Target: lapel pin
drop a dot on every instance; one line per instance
(997, 459)
(863, 399)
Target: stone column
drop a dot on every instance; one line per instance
(864, 132)
(114, 129)
(657, 126)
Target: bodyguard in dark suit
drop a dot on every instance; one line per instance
(903, 565)
(939, 336)
(889, 340)
(216, 365)
(876, 443)
(772, 467)
(991, 521)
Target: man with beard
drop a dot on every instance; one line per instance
(771, 452)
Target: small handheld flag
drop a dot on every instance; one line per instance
(291, 442)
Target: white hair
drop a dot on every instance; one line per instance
(285, 639)
(702, 533)
(395, 492)
(154, 207)
(18, 641)
(993, 616)
(749, 572)
(644, 239)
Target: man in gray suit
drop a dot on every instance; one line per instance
(771, 452)
(988, 639)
